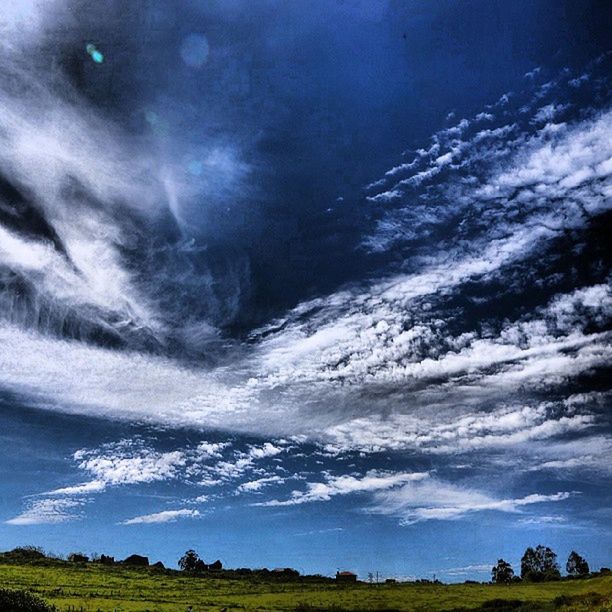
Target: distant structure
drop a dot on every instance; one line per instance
(136, 560)
(346, 577)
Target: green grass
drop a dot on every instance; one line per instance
(93, 587)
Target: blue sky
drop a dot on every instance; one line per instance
(317, 285)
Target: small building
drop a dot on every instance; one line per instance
(346, 577)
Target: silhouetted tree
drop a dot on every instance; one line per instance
(76, 557)
(539, 564)
(576, 565)
(200, 566)
(502, 573)
(188, 562)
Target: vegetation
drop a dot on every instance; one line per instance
(539, 564)
(97, 586)
(576, 565)
(22, 601)
(502, 573)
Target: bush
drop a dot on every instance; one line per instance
(22, 601)
(587, 599)
(502, 604)
(25, 554)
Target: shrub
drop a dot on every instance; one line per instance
(502, 604)
(26, 554)
(22, 601)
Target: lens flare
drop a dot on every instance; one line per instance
(93, 52)
(194, 50)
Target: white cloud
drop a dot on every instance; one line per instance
(211, 449)
(542, 520)
(432, 499)
(242, 463)
(94, 486)
(373, 480)
(322, 371)
(548, 113)
(129, 463)
(441, 432)
(48, 512)
(166, 516)
(257, 485)
(478, 568)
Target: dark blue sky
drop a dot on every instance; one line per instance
(316, 284)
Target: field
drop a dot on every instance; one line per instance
(93, 587)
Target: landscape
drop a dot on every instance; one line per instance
(305, 305)
(132, 585)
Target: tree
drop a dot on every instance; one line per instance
(576, 565)
(189, 561)
(539, 564)
(502, 573)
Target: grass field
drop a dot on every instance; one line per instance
(93, 587)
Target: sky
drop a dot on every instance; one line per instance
(317, 285)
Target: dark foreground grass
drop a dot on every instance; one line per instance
(93, 587)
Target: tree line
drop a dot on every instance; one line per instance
(539, 564)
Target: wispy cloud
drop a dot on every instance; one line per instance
(48, 512)
(166, 516)
(346, 485)
(469, 345)
(432, 499)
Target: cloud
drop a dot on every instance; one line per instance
(242, 463)
(126, 462)
(432, 499)
(539, 521)
(548, 113)
(447, 351)
(448, 434)
(93, 216)
(48, 512)
(94, 486)
(478, 568)
(211, 449)
(166, 516)
(258, 484)
(413, 497)
(373, 480)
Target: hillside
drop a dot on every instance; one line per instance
(93, 587)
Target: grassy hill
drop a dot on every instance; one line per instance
(92, 587)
